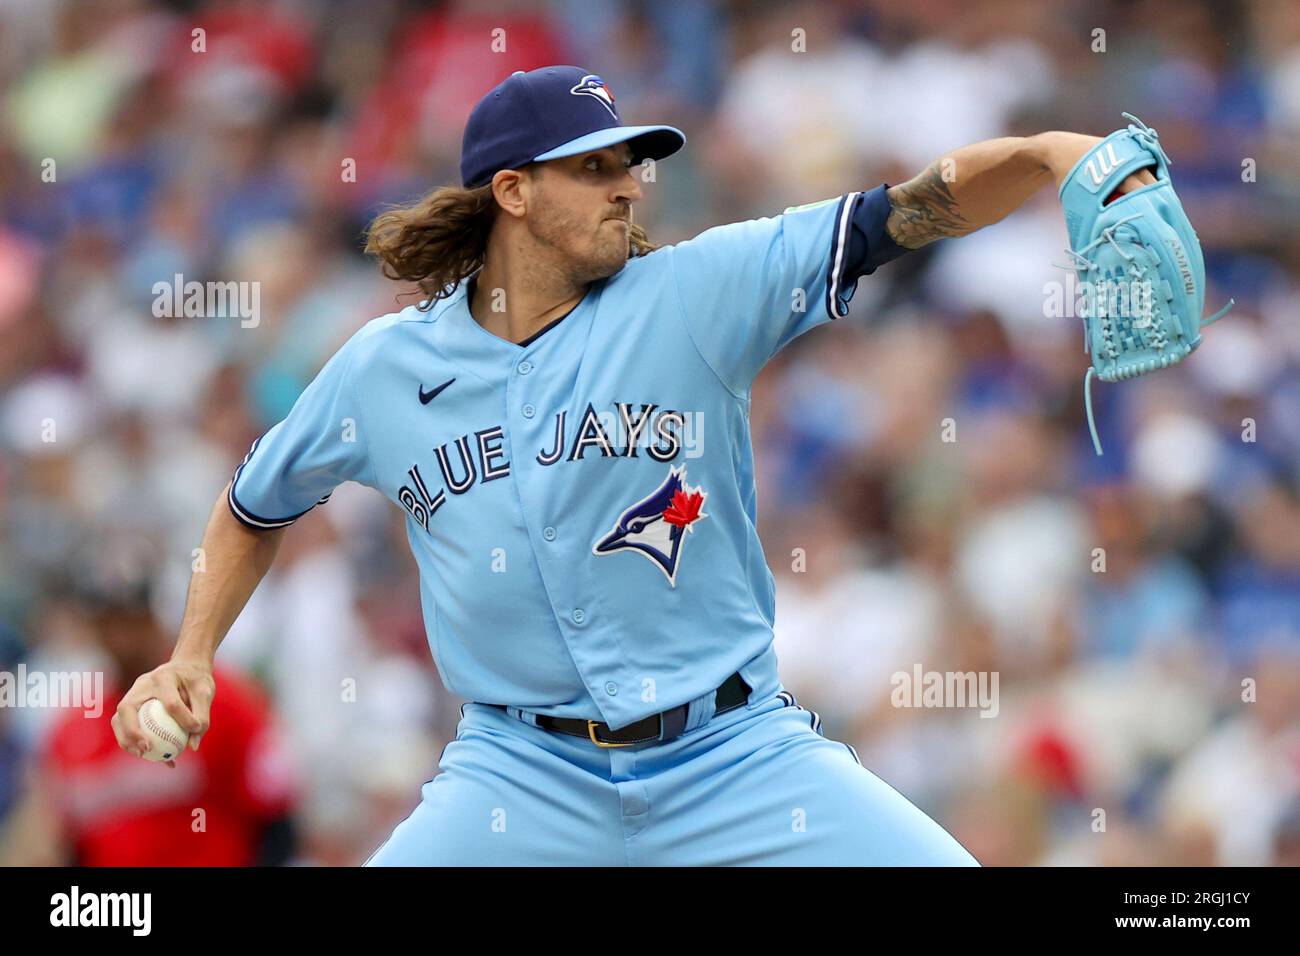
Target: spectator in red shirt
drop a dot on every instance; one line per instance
(226, 804)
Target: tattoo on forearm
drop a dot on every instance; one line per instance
(924, 210)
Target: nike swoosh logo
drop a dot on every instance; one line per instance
(427, 397)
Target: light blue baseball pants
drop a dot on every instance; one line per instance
(757, 785)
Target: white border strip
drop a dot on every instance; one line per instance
(841, 233)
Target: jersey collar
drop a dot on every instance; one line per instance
(469, 345)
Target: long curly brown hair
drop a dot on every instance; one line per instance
(440, 240)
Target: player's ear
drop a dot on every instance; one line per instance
(510, 189)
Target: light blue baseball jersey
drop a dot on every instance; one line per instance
(581, 506)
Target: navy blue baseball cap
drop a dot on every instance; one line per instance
(549, 113)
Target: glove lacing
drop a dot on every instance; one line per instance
(1105, 323)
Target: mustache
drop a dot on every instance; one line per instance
(623, 215)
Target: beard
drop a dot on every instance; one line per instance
(584, 255)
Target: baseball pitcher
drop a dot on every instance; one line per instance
(564, 420)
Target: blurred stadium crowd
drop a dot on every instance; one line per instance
(1147, 714)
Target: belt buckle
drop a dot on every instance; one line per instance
(591, 731)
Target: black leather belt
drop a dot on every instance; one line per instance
(661, 727)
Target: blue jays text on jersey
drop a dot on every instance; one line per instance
(578, 556)
(480, 457)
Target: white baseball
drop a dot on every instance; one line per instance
(166, 738)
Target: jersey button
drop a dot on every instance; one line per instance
(525, 367)
(529, 410)
(578, 615)
(548, 534)
(611, 688)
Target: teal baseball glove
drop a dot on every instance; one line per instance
(1138, 260)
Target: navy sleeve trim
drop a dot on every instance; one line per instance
(862, 245)
(837, 303)
(256, 522)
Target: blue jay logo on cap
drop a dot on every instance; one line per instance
(593, 86)
(656, 526)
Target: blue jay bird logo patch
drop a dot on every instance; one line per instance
(658, 524)
(594, 86)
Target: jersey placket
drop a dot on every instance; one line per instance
(535, 395)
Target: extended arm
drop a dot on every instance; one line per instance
(979, 184)
(237, 558)
(235, 561)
